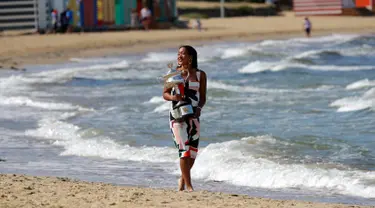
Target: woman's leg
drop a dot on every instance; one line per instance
(188, 149)
(181, 181)
(186, 164)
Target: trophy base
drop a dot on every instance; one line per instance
(182, 112)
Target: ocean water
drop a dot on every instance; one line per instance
(285, 119)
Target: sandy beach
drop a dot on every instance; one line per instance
(17, 51)
(30, 191)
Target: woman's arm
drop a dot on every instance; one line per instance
(167, 95)
(202, 93)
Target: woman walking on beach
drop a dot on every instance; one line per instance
(186, 132)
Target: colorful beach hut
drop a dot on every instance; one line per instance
(123, 9)
(331, 7)
(369, 4)
(91, 14)
(74, 5)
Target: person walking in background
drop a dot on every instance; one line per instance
(63, 21)
(54, 20)
(197, 24)
(66, 21)
(307, 26)
(70, 20)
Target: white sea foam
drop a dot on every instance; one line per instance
(364, 83)
(314, 54)
(162, 108)
(106, 60)
(331, 39)
(236, 88)
(25, 101)
(160, 57)
(259, 66)
(80, 143)
(156, 99)
(279, 43)
(367, 100)
(163, 105)
(337, 68)
(334, 38)
(234, 163)
(362, 50)
(130, 74)
(18, 82)
(351, 104)
(61, 75)
(234, 52)
(108, 149)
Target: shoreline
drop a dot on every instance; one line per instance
(18, 51)
(44, 191)
(57, 56)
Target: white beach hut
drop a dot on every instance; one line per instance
(24, 15)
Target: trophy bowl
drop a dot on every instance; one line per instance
(171, 73)
(173, 79)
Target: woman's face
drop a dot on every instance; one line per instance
(182, 57)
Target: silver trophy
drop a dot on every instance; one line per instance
(173, 79)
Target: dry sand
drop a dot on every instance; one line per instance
(16, 51)
(18, 191)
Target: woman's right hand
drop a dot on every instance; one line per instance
(178, 97)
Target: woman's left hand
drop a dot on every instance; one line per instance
(198, 112)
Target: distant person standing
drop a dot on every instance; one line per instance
(146, 17)
(63, 21)
(308, 26)
(70, 20)
(197, 24)
(54, 17)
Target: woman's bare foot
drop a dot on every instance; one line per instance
(181, 184)
(190, 189)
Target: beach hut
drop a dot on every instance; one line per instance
(30, 15)
(99, 12)
(92, 14)
(369, 4)
(333, 7)
(317, 7)
(166, 10)
(58, 5)
(108, 12)
(74, 5)
(123, 10)
(162, 10)
(88, 9)
(119, 12)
